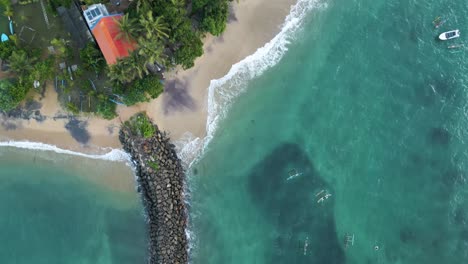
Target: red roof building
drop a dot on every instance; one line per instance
(105, 32)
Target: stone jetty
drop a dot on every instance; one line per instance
(160, 177)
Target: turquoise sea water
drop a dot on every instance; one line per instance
(58, 208)
(370, 108)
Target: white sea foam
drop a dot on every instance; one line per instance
(222, 92)
(112, 155)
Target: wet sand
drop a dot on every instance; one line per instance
(181, 108)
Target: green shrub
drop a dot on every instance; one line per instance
(92, 58)
(11, 94)
(106, 108)
(73, 108)
(141, 125)
(154, 165)
(6, 49)
(213, 14)
(140, 90)
(152, 85)
(42, 71)
(134, 96)
(145, 126)
(191, 47)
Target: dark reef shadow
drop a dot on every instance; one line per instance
(292, 208)
(177, 97)
(407, 234)
(439, 136)
(78, 130)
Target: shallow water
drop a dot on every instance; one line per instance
(370, 108)
(63, 209)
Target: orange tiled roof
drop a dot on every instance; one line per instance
(105, 32)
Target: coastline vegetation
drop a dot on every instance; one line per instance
(166, 34)
(154, 165)
(140, 125)
(28, 67)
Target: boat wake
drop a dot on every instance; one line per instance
(112, 155)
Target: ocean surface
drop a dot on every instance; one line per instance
(345, 141)
(58, 208)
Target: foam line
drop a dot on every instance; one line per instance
(222, 92)
(113, 155)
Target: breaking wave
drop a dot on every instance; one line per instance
(112, 155)
(222, 92)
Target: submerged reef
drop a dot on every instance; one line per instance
(160, 177)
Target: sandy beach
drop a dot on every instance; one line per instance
(181, 108)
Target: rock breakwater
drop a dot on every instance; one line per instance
(160, 176)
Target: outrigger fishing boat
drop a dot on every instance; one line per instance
(456, 46)
(11, 27)
(450, 34)
(293, 174)
(322, 195)
(4, 37)
(348, 240)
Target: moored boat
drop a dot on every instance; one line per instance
(11, 27)
(450, 35)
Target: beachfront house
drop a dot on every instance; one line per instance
(105, 28)
(95, 12)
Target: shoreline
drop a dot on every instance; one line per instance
(182, 109)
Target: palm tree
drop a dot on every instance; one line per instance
(8, 12)
(127, 69)
(143, 5)
(127, 28)
(119, 73)
(20, 62)
(151, 50)
(178, 3)
(61, 47)
(135, 63)
(154, 27)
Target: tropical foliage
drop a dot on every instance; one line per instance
(139, 90)
(25, 65)
(21, 62)
(6, 5)
(92, 58)
(141, 125)
(166, 33)
(6, 49)
(128, 29)
(12, 93)
(105, 107)
(213, 15)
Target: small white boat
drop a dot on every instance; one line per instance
(450, 35)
